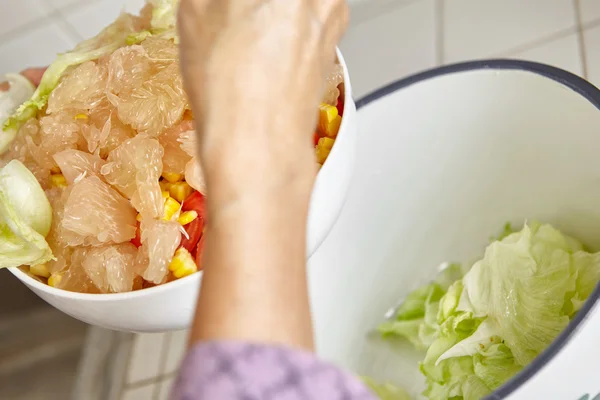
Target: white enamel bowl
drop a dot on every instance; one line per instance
(446, 158)
(171, 306)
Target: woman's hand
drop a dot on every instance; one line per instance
(255, 71)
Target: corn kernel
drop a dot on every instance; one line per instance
(180, 191)
(323, 149)
(58, 180)
(139, 217)
(165, 186)
(171, 208)
(54, 279)
(326, 143)
(40, 270)
(322, 154)
(187, 217)
(172, 178)
(329, 120)
(81, 117)
(183, 264)
(165, 194)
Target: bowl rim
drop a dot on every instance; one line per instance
(572, 82)
(108, 297)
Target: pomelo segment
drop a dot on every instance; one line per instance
(104, 131)
(111, 268)
(175, 157)
(74, 278)
(188, 141)
(334, 79)
(128, 68)
(156, 105)
(76, 164)
(134, 168)
(96, 214)
(81, 90)
(160, 239)
(56, 238)
(194, 176)
(58, 132)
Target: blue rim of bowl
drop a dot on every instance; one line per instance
(571, 81)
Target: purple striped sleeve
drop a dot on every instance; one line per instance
(242, 371)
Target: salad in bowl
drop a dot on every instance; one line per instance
(102, 190)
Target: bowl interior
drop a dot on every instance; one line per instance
(444, 163)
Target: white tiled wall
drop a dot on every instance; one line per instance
(387, 40)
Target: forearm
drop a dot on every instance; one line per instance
(256, 253)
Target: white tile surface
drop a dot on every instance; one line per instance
(362, 10)
(35, 48)
(390, 46)
(56, 4)
(145, 357)
(484, 28)
(142, 393)
(164, 389)
(176, 351)
(563, 53)
(21, 12)
(590, 10)
(592, 53)
(90, 20)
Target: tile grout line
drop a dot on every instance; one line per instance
(580, 38)
(53, 14)
(439, 31)
(162, 363)
(66, 26)
(149, 381)
(536, 43)
(146, 381)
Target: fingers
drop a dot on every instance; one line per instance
(334, 16)
(33, 74)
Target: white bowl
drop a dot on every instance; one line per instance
(446, 158)
(171, 306)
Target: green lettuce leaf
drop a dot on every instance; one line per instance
(20, 90)
(110, 39)
(25, 218)
(522, 282)
(495, 365)
(482, 334)
(587, 271)
(164, 14)
(416, 319)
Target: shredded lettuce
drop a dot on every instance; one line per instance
(25, 218)
(20, 90)
(110, 39)
(164, 14)
(417, 318)
(482, 333)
